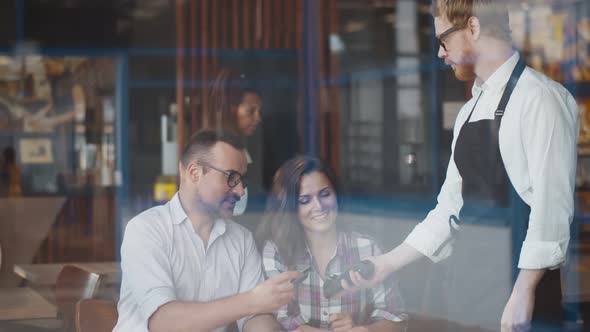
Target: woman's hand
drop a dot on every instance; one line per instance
(359, 329)
(341, 322)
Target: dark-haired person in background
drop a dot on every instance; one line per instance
(517, 138)
(236, 107)
(300, 232)
(186, 266)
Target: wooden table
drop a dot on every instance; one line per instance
(46, 274)
(24, 303)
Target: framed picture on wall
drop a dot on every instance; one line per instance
(35, 150)
(36, 156)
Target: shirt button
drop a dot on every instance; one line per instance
(325, 313)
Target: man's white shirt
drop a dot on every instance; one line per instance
(538, 140)
(164, 260)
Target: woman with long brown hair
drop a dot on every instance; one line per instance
(300, 232)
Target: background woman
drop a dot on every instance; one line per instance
(236, 106)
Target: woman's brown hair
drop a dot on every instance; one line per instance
(281, 223)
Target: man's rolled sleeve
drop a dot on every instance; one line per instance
(429, 243)
(541, 255)
(432, 237)
(155, 299)
(549, 137)
(146, 268)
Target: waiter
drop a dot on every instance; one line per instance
(516, 138)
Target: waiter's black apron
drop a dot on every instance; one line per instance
(484, 177)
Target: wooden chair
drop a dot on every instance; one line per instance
(96, 315)
(74, 284)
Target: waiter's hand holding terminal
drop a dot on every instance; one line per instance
(335, 285)
(384, 265)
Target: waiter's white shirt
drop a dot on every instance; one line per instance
(538, 139)
(164, 260)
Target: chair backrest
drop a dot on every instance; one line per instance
(96, 315)
(74, 284)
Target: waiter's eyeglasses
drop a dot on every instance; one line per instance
(445, 34)
(233, 177)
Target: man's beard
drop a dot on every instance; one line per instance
(207, 208)
(466, 70)
(215, 211)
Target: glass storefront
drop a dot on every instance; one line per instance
(97, 100)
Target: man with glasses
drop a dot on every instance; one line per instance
(186, 266)
(514, 147)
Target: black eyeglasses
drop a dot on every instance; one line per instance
(233, 177)
(446, 34)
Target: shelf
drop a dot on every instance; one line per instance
(579, 89)
(584, 150)
(582, 218)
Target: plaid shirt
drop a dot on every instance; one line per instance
(312, 308)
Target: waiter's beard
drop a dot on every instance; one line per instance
(466, 70)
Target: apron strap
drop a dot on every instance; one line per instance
(514, 77)
(473, 109)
